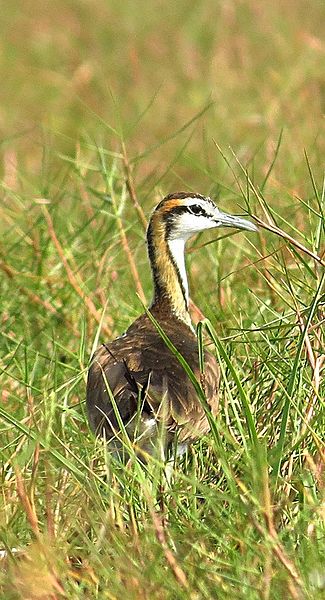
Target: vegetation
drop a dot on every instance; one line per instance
(106, 107)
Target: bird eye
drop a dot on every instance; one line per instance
(197, 210)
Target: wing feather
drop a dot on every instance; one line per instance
(139, 367)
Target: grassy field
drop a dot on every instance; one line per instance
(106, 107)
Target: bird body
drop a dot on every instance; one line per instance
(140, 358)
(150, 387)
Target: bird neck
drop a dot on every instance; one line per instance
(168, 271)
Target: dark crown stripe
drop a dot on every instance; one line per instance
(180, 196)
(183, 195)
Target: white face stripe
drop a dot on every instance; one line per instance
(206, 203)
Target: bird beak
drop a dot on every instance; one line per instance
(225, 220)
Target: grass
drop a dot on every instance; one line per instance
(244, 514)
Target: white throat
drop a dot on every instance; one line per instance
(177, 250)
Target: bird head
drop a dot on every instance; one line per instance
(184, 214)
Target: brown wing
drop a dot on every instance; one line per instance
(142, 373)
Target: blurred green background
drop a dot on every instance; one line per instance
(83, 82)
(68, 68)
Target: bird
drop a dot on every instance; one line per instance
(136, 384)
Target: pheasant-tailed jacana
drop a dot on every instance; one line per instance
(151, 389)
